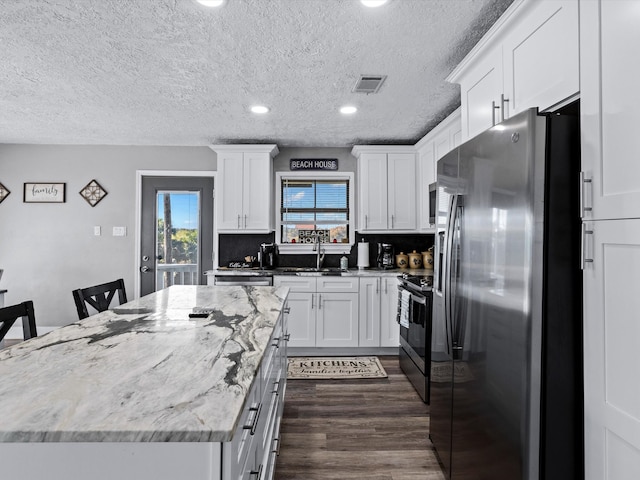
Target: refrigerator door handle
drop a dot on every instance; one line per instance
(457, 328)
(446, 283)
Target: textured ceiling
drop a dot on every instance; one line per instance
(171, 72)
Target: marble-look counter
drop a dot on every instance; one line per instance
(143, 372)
(358, 272)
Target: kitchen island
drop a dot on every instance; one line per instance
(143, 391)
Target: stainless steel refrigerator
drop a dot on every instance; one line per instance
(506, 374)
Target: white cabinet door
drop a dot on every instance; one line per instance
(369, 312)
(541, 56)
(229, 202)
(611, 346)
(302, 319)
(389, 328)
(401, 195)
(372, 185)
(481, 91)
(610, 107)
(337, 320)
(257, 196)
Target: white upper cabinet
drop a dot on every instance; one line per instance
(529, 58)
(431, 148)
(610, 108)
(245, 188)
(386, 188)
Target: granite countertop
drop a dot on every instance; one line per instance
(142, 372)
(364, 272)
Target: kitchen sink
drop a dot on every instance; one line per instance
(311, 271)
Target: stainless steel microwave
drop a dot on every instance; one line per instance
(433, 189)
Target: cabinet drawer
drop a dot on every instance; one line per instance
(243, 439)
(330, 284)
(295, 284)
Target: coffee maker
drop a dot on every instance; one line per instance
(385, 255)
(268, 256)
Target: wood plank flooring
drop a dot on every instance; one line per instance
(356, 429)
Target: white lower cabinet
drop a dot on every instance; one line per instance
(378, 311)
(389, 327)
(251, 454)
(611, 341)
(324, 310)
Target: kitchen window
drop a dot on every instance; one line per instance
(310, 205)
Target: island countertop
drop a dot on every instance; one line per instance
(142, 372)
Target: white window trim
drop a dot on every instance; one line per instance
(328, 248)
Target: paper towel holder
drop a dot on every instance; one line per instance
(363, 254)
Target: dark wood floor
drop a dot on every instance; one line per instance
(356, 429)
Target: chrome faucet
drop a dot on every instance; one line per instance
(319, 252)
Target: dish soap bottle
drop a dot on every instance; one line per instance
(344, 263)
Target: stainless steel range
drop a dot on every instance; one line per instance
(414, 317)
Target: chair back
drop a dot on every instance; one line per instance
(9, 315)
(98, 297)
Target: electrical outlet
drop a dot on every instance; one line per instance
(119, 231)
(97, 231)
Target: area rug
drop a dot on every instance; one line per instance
(333, 368)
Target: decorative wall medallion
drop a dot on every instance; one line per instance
(93, 193)
(4, 192)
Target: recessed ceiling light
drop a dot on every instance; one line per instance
(373, 3)
(210, 3)
(259, 109)
(348, 110)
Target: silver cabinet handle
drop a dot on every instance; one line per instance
(392, 218)
(256, 473)
(245, 221)
(276, 386)
(366, 221)
(503, 101)
(385, 286)
(286, 310)
(313, 296)
(238, 221)
(286, 337)
(583, 259)
(493, 113)
(583, 208)
(276, 446)
(377, 285)
(320, 301)
(254, 423)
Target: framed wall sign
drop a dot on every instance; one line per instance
(313, 164)
(44, 192)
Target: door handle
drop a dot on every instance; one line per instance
(144, 269)
(583, 239)
(503, 101)
(583, 181)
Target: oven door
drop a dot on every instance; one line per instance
(415, 339)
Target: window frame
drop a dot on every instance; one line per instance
(328, 248)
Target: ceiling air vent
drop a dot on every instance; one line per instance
(369, 83)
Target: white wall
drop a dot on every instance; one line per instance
(48, 250)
